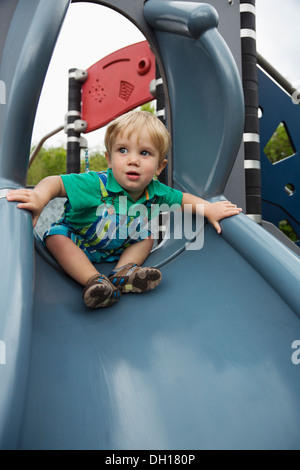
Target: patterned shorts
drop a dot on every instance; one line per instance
(97, 251)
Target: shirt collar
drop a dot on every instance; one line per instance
(112, 184)
(153, 189)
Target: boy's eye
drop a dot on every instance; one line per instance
(123, 150)
(144, 153)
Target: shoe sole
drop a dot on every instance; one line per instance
(100, 295)
(141, 281)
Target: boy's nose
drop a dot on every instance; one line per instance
(133, 159)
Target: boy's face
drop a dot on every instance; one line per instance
(134, 161)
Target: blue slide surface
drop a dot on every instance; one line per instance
(205, 361)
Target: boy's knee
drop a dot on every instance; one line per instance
(148, 243)
(54, 242)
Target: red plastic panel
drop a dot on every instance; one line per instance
(116, 84)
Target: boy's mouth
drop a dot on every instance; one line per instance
(132, 175)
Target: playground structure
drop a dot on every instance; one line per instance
(280, 198)
(205, 361)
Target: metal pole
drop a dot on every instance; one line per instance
(76, 77)
(160, 112)
(158, 92)
(280, 79)
(35, 152)
(251, 128)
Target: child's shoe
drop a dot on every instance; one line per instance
(99, 292)
(133, 278)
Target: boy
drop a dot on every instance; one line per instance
(96, 221)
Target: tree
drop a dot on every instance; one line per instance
(97, 162)
(280, 145)
(148, 107)
(52, 161)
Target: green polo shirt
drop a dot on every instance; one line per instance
(86, 192)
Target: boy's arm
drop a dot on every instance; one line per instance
(214, 211)
(36, 199)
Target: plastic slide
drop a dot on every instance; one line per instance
(205, 361)
(209, 359)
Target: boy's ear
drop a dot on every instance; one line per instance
(108, 159)
(161, 167)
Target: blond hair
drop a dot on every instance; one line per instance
(132, 123)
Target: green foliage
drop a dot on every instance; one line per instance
(97, 162)
(279, 146)
(287, 229)
(49, 161)
(52, 161)
(148, 107)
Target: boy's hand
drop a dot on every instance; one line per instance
(36, 199)
(217, 211)
(213, 211)
(28, 199)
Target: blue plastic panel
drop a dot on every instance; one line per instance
(16, 307)
(278, 107)
(205, 91)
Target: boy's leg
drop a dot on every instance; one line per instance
(128, 276)
(136, 253)
(71, 258)
(98, 292)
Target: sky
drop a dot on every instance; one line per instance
(90, 32)
(278, 35)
